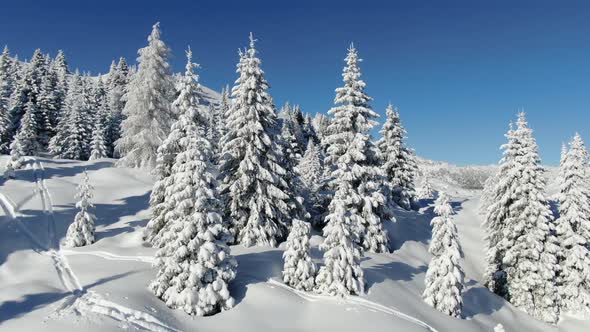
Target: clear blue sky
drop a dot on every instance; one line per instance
(458, 71)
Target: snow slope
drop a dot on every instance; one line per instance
(103, 287)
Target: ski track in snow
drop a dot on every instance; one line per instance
(82, 300)
(109, 256)
(370, 305)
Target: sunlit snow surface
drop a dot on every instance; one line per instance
(103, 287)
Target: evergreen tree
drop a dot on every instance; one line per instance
(521, 249)
(352, 155)
(298, 269)
(425, 191)
(341, 274)
(320, 125)
(290, 146)
(444, 277)
(573, 228)
(81, 231)
(25, 142)
(397, 160)
(49, 107)
(187, 104)
(223, 113)
(117, 80)
(254, 182)
(29, 89)
(98, 149)
(194, 263)
(147, 109)
(28, 141)
(6, 88)
(72, 141)
(311, 172)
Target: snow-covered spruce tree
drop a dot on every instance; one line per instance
(290, 146)
(81, 231)
(299, 270)
(5, 118)
(222, 114)
(76, 132)
(148, 106)
(425, 191)
(116, 86)
(97, 146)
(444, 278)
(6, 88)
(25, 142)
(27, 89)
(311, 172)
(341, 273)
(486, 194)
(187, 105)
(443, 209)
(194, 263)
(254, 182)
(397, 160)
(61, 69)
(49, 107)
(320, 124)
(353, 157)
(521, 248)
(213, 128)
(573, 229)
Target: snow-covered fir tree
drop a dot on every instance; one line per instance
(6, 88)
(97, 147)
(81, 231)
(298, 269)
(29, 89)
(222, 114)
(425, 191)
(116, 86)
(341, 273)
(486, 194)
(353, 157)
(521, 248)
(25, 142)
(255, 186)
(187, 105)
(74, 135)
(311, 172)
(291, 150)
(320, 125)
(148, 113)
(194, 263)
(49, 107)
(444, 282)
(397, 160)
(573, 228)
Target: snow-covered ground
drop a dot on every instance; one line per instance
(103, 287)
